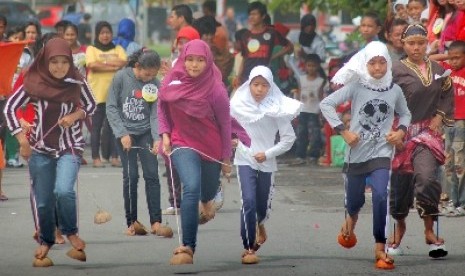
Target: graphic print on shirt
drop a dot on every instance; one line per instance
(372, 116)
(134, 105)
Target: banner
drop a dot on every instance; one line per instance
(10, 53)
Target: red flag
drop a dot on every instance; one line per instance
(10, 53)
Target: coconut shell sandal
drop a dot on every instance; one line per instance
(182, 255)
(437, 249)
(162, 231)
(346, 239)
(41, 259)
(249, 257)
(384, 261)
(139, 228)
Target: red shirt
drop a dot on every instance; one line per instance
(458, 79)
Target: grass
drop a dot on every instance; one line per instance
(163, 49)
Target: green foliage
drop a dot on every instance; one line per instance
(354, 7)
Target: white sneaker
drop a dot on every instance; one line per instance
(398, 251)
(219, 198)
(171, 211)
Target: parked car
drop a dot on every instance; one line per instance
(17, 13)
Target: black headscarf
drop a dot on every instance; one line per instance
(97, 44)
(306, 39)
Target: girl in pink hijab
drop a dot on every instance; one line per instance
(195, 125)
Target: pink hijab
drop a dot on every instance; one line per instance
(188, 93)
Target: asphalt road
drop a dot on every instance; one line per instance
(306, 217)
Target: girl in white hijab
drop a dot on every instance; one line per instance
(262, 110)
(367, 80)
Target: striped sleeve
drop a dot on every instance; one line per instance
(18, 99)
(87, 99)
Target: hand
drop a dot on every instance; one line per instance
(25, 150)
(236, 82)
(234, 143)
(436, 124)
(260, 157)
(166, 146)
(156, 145)
(67, 121)
(350, 137)
(25, 125)
(395, 138)
(126, 142)
(226, 169)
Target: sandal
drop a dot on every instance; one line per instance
(139, 228)
(162, 230)
(3, 197)
(182, 255)
(260, 238)
(395, 250)
(385, 262)
(207, 212)
(249, 257)
(437, 251)
(346, 240)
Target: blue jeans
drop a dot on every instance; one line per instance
(199, 179)
(256, 193)
(53, 181)
(355, 198)
(455, 162)
(149, 165)
(308, 121)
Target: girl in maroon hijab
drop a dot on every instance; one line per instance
(54, 147)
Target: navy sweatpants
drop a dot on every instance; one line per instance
(355, 198)
(256, 193)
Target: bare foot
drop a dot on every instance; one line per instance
(348, 226)
(41, 251)
(431, 238)
(395, 240)
(261, 234)
(59, 239)
(76, 242)
(131, 231)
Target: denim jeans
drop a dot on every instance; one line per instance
(256, 193)
(149, 165)
(199, 179)
(308, 121)
(53, 181)
(455, 162)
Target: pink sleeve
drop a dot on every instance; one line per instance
(164, 124)
(220, 105)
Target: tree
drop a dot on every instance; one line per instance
(354, 7)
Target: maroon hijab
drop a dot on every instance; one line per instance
(188, 93)
(39, 82)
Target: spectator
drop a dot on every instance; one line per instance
(84, 30)
(126, 35)
(393, 37)
(230, 23)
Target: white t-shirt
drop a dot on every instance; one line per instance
(309, 90)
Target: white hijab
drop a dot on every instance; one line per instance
(246, 110)
(356, 69)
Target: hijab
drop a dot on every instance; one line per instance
(188, 93)
(98, 29)
(246, 110)
(306, 39)
(126, 33)
(356, 69)
(39, 82)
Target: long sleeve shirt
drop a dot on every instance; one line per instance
(47, 136)
(263, 134)
(127, 111)
(372, 119)
(209, 135)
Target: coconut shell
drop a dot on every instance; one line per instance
(250, 259)
(101, 217)
(181, 259)
(164, 231)
(139, 229)
(79, 255)
(45, 262)
(347, 242)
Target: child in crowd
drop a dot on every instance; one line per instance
(455, 135)
(367, 80)
(55, 146)
(132, 114)
(15, 34)
(414, 10)
(399, 8)
(370, 27)
(262, 110)
(310, 94)
(393, 36)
